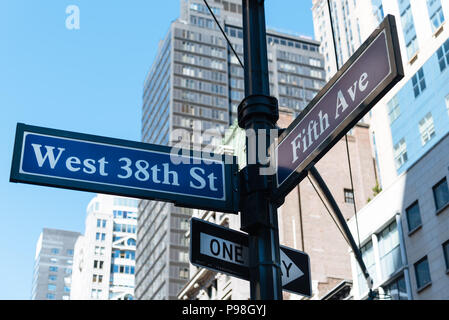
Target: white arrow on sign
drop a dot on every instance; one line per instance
(289, 270)
(235, 253)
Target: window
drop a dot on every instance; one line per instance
(408, 27)
(66, 289)
(368, 257)
(68, 270)
(393, 109)
(441, 194)
(184, 273)
(400, 153)
(426, 128)
(349, 196)
(422, 273)
(55, 251)
(100, 236)
(51, 287)
(53, 269)
(98, 223)
(446, 254)
(95, 293)
(52, 277)
(70, 252)
(389, 250)
(443, 55)
(435, 13)
(419, 83)
(396, 289)
(51, 296)
(413, 216)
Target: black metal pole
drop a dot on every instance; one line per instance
(258, 111)
(341, 219)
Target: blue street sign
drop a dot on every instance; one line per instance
(98, 164)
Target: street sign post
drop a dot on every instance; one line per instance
(98, 164)
(368, 75)
(227, 251)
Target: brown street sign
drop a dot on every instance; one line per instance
(368, 75)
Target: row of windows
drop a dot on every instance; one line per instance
(203, 22)
(200, 73)
(126, 202)
(426, 129)
(235, 32)
(115, 268)
(52, 296)
(125, 214)
(55, 260)
(199, 7)
(388, 253)
(199, 111)
(200, 98)
(200, 85)
(436, 17)
(69, 252)
(200, 49)
(97, 278)
(55, 269)
(189, 124)
(99, 250)
(125, 228)
(297, 58)
(200, 61)
(422, 268)
(101, 223)
(98, 264)
(52, 287)
(124, 254)
(99, 236)
(201, 37)
(441, 199)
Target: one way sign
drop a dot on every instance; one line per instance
(295, 269)
(225, 250)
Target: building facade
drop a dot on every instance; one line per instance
(304, 223)
(190, 98)
(414, 115)
(104, 259)
(52, 276)
(405, 233)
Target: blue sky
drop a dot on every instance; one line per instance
(88, 80)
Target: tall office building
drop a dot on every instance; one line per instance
(414, 115)
(404, 230)
(53, 265)
(196, 83)
(405, 233)
(104, 259)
